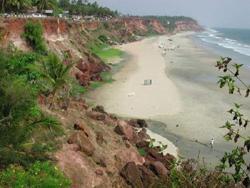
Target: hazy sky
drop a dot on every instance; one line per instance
(224, 13)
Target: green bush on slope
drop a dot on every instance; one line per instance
(23, 126)
(104, 51)
(38, 175)
(33, 34)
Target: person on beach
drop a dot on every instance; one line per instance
(212, 143)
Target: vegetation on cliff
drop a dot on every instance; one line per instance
(169, 22)
(105, 52)
(33, 34)
(27, 133)
(84, 9)
(39, 174)
(74, 7)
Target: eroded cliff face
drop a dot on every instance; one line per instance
(187, 26)
(101, 150)
(64, 36)
(119, 29)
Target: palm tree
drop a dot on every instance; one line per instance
(45, 4)
(3, 5)
(16, 4)
(55, 73)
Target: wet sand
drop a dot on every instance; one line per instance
(184, 103)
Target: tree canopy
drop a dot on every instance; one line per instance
(74, 7)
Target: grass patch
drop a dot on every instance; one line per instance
(33, 34)
(76, 89)
(39, 174)
(142, 152)
(108, 53)
(105, 52)
(95, 85)
(107, 77)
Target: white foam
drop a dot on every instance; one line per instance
(214, 37)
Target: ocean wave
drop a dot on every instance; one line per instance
(215, 37)
(211, 30)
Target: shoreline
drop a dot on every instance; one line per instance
(184, 91)
(130, 66)
(171, 148)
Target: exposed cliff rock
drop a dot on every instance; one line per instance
(93, 154)
(187, 26)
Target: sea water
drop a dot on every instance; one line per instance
(204, 104)
(231, 42)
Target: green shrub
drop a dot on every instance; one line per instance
(107, 77)
(104, 51)
(20, 65)
(142, 152)
(95, 85)
(33, 34)
(103, 38)
(55, 72)
(76, 89)
(16, 100)
(38, 175)
(106, 25)
(20, 117)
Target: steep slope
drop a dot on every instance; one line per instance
(75, 38)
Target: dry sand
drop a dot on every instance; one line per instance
(127, 96)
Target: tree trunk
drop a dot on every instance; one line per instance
(3, 5)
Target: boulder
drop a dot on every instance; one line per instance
(154, 155)
(96, 115)
(142, 123)
(83, 78)
(82, 127)
(142, 135)
(99, 109)
(100, 159)
(128, 155)
(83, 142)
(147, 176)
(127, 144)
(110, 121)
(131, 173)
(99, 172)
(142, 144)
(124, 129)
(100, 138)
(158, 168)
(113, 117)
(138, 123)
(78, 104)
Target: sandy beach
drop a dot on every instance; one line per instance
(129, 97)
(183, 104)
